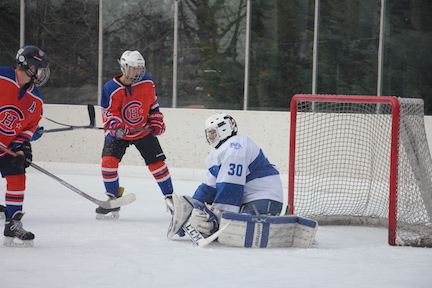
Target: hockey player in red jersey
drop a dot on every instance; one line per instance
(129, 105)
(20, 112)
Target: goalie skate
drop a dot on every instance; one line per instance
(16, 235)
(109, 213)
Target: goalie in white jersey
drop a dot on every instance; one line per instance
(240, 179)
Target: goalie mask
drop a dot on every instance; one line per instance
(132, 64)
(29, 56)
(218, 128)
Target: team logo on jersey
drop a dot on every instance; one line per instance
(10, 120)
(132, 112)
(235, 145)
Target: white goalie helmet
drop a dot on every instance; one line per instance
(218, 128)
(132, 64)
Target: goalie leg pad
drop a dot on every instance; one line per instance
(254, 231)
(181, 212)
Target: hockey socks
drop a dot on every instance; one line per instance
(162, 176)
(110, 176)
(15, 190)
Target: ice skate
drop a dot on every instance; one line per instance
(111, 213)
(14, 230)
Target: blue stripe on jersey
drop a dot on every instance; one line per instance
(147, 77)
(8, 72)
(154, 107)
(205, 193)
(261, 167)
(214, 170)
(229, 193)
(107, 91)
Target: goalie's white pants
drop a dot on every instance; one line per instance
(267, 231)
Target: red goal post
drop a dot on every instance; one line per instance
(362, 160)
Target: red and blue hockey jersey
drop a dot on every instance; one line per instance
(131, 104)
(20, 110)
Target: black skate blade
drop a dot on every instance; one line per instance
(10, 242)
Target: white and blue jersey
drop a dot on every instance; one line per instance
(238, 173)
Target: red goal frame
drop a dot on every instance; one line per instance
(394, 149)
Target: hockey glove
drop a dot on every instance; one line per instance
(205, 218)
(122, 129)
(156, 123)
(23, 152)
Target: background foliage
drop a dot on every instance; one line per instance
(212, 42)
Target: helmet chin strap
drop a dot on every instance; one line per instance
(223, 141)
(32, 76)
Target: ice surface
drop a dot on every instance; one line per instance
(73, 249)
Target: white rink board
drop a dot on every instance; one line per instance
(183, 142)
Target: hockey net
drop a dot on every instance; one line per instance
(362, 160)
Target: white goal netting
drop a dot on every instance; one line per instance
(342, 166)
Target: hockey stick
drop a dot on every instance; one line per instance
(92, 116)
(197, 237)
(85, 127)
(213, 237)
(124, 200)
(91, 112)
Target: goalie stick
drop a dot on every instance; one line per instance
(91, 112)
(195, 236)
(124, 200)
(213, 237)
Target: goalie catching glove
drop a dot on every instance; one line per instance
(201, 216)
(205, 218)
(23, 151)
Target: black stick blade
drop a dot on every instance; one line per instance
(91, 111)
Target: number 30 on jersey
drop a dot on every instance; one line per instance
(236, 170)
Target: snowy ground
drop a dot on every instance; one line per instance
(72, 249)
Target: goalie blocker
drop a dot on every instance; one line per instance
(253, 231)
